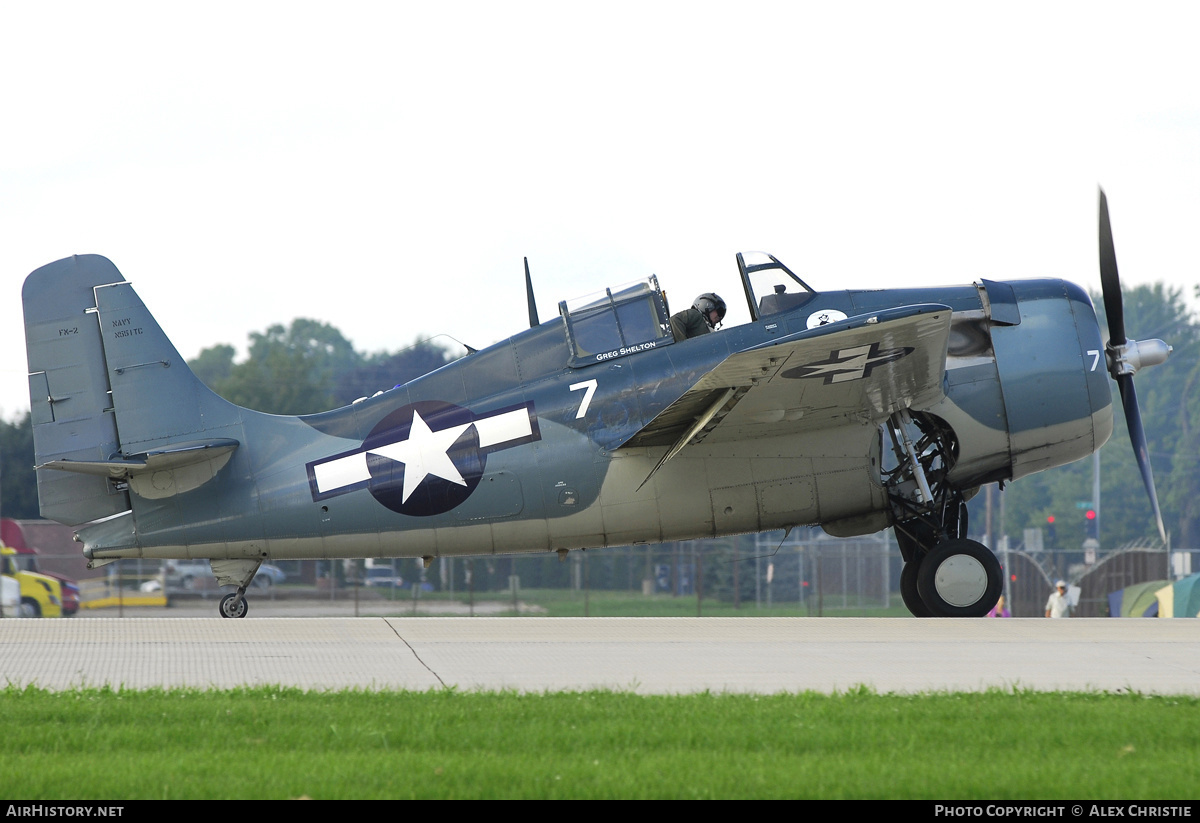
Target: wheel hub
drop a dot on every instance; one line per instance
(961, 580)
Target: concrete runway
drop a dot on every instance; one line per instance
(643, 655)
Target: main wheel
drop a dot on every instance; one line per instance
(227, 608)
(908, 590)
(960, 578)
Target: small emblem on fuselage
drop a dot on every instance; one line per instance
(424, 458)
(824, 317)
(853, 363)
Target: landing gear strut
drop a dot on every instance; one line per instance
(945, 574)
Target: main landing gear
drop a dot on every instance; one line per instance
(944, 574)
(956, 578)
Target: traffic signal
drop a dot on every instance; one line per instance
(1091, 525)
(1051, 534)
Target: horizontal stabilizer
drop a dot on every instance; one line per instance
(175, 457)
(159, 473)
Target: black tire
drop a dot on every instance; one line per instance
(960, 578)
(908, 590)
(30, 607)
(227, 610)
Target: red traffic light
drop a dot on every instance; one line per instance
(1050, 519)
(1090, 514)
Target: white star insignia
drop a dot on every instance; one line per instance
(424, 453)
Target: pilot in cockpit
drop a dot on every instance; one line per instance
(704, 316)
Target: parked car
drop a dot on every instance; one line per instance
(185, 574)
(71, 595)
(268, 576)
(383, 576)
(188, 574)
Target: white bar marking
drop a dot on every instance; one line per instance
(512, 425)
(345, 471)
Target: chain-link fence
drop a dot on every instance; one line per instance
(803, 572)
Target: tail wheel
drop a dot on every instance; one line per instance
(229, 609)
(960, 578)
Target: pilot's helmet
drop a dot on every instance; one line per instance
(706, 303)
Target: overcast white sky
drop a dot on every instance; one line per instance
(385, 166)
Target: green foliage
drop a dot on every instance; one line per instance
(213, 364)
(276, 743)
(384, 370)
(18, 485)
(289, 371)
(308, 367)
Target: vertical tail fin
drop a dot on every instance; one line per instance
(105, 384)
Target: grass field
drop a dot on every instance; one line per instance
(284, 743)
(575, 603)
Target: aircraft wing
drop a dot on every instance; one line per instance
(856, 371)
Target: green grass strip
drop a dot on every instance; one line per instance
(104, 744)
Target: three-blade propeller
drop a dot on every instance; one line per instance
(1126, 356)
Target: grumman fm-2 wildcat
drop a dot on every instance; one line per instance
(855, 410)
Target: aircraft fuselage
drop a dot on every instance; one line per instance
(526, 446)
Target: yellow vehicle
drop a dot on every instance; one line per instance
(41, 596)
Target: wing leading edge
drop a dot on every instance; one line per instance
(853, 372)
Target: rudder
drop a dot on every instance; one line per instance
(69, 398)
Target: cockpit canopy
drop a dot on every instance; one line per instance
(770, 286)
(632, 318)
(616, 322)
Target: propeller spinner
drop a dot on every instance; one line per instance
(1125, 357)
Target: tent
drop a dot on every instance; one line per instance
(1138, 600)
(1185, 596)
(1166, 600)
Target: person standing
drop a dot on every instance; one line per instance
(1058, 605)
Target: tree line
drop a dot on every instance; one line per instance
(309, 367)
